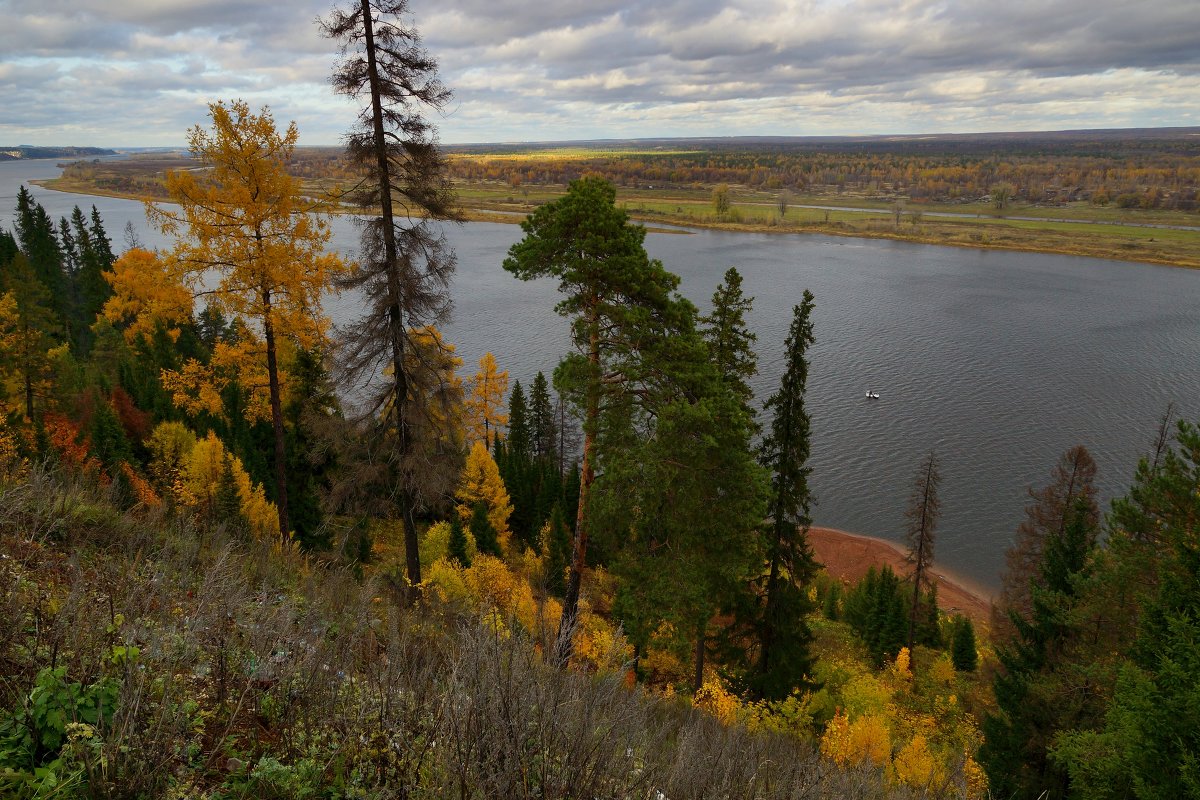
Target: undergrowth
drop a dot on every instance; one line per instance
(151, 656)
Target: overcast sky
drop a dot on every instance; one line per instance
(140, 72)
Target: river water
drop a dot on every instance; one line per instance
(998, 361)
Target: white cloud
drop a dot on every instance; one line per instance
(141, 72)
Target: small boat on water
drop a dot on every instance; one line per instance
(872, 395)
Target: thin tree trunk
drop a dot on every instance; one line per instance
(281, 496)
(395, 309)
(701, 643)
(920, 565)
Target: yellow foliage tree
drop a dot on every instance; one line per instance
(869, 739)
(202, 475)
(146, 294)
(835, 742)
(916, 766)
(246, 222)
(484, 415)
(718, 701)
(481, 482)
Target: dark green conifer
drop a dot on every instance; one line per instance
(311, 399)
(1033, 706)
(456, 547)
(557, 551)
(109, 443)
(486, 540)
(543, 430)
(227, 504)
(730, 342)
(782, 656)
(963, 650)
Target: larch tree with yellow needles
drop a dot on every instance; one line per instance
(485, 404)
(247, 240)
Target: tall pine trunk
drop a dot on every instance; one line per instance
(566, 626)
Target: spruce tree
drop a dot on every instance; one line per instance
(1033, 704)
(37, 238)
(95, 258)
(1047, 515)
(483, 531)
(730, 342)
(456, 547)
(556, 550)
(963, 650)
(227, 504)
(8, 251)
(782, 639)
(518, 425)
(311, 401)
(1145, 743)
(543, 431)
(36, 329)
(109, 443)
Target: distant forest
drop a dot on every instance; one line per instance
(22, 152)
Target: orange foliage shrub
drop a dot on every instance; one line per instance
(143, 492)
(71, 446)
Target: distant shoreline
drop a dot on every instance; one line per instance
(847, 556)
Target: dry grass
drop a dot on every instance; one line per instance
(260, 674)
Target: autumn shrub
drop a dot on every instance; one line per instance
(240, 669)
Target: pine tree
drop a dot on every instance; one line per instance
(621, 305)
(405, 263)
(730, 342)
(782, 658)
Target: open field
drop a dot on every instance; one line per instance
(1130, 198)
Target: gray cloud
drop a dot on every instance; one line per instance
(142, 72)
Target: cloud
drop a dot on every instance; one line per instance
(142, 71)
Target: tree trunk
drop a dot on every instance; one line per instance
(701, 643)
(566, 625)
(281, 497)
(395, 308)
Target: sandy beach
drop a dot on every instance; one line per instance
(848, 556)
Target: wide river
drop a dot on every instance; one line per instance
(998, 361)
